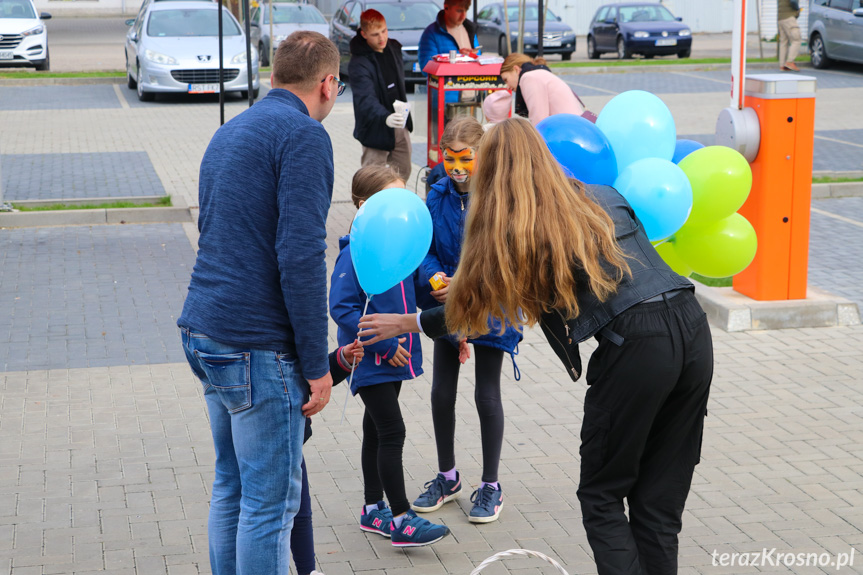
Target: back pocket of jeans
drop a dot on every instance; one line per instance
(594, 440)
(229, 375)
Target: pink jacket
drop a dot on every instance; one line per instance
(545, 95)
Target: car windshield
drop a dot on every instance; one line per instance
(295, 14)
(645, 14)
(531, 14)
(16, 9)
(189, 22)
(407, 16)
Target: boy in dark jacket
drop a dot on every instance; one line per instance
(377, 77)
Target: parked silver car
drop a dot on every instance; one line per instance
(289, 17)
(174, 47)
(835, 31)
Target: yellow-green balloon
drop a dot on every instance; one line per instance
(719, 249)
(673, 259)
(721, 179)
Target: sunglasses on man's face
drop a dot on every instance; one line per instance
(341, 84)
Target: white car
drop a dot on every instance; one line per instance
(23, 36)
(174, 47)
(290, 17)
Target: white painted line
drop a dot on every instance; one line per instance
(123, 102)
(817, 137)
(571, 83)
(837, 217)
(695, 75)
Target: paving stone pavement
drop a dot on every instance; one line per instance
(107, 469)
(78, 176)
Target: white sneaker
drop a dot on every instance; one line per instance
(316, 573)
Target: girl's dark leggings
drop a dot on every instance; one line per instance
(302, 538)
(489, 361)
(383, 445)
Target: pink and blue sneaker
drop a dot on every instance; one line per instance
(416, 531)
(487, 503)
(438, 491)
(377, 520)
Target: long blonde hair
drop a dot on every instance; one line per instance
(531, 234)
(519, 59)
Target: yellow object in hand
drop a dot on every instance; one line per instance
(437, 282)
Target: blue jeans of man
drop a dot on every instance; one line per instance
(254, 399)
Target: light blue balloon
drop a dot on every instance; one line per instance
(638, 125)
(390, 236)
(660, 194)
(580, 147)
(683, 148)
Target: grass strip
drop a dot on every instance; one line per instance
(164, 202)
(660, 62)
(26, 74)
(834, 180)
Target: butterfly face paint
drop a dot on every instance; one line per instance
(459, 164)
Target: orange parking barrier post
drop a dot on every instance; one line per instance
(778, 206)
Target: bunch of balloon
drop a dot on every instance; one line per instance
(580, 148)
(715, 241)
(390, 235)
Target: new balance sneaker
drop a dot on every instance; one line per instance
(487, 503)
(378, 520)
(416, 531)
(438, 491)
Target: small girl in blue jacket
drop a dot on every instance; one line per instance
(447, 202)
(378, 381)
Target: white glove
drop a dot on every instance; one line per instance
(396, 120)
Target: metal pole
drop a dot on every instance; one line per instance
(272, 46)
(508, 30)
(540, 28)
(520, 44)
(221, 69)
(247, 17)
(758, 14)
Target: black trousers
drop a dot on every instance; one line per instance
(383, 446)
(489, 406)
(641, 434)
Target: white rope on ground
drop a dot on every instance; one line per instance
(519, 553)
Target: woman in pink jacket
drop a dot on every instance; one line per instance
(538, 92)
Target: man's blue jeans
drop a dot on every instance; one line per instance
(254, 398)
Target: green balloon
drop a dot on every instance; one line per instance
(721, 179)
(672, 258)
(717, 250)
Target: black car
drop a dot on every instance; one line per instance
(406, 20)
(557, 37)
(648, 29)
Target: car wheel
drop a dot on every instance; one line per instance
(622, 51)
(817, 52)
(44, 65)
(142, 95)
(684, 53)
(592, 52)
(649, 56)
(264, 54)
(566, 56)
(130, 81)
(502, 46)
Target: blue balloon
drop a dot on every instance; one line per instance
(638, 125)
(580, 147)
(660, 194)
(683, 148)
(390, 236)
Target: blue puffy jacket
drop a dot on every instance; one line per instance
(347, 301)
(448, 210)
(436, 40)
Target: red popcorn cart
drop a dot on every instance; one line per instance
(456, 89)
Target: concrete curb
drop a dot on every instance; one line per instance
(837, 190)
(95, 217)
(61, 81)
(733, 311)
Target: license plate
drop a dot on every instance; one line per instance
(203, 88)
(666, 42)
(551, 43)
(6, 55)
(416, 67)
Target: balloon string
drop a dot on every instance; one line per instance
(353, 366)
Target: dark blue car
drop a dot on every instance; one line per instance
(644, 28)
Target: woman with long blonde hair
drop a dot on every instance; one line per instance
(540, 248)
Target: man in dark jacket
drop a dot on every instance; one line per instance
(377, 78)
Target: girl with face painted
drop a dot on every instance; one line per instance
(447, 202)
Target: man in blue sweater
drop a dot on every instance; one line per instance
(254, 325)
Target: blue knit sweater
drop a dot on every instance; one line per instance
(260, 279)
